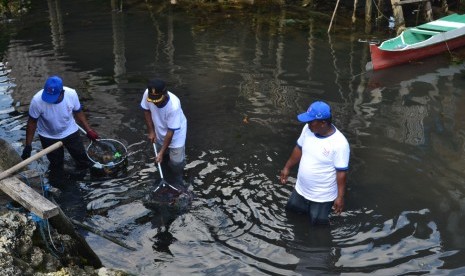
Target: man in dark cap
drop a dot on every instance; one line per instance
(52, 113)
(323, 153)
(166, 125)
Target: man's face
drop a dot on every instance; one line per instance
(156, 98)
(316, 126)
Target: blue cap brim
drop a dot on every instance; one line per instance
(305, 118)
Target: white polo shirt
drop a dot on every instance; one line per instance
(321, 157)
(55, 121)
(169, 117)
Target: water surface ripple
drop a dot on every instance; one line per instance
(241, 84)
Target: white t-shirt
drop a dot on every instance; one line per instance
(55, 121)
(321, 157)
(168, 117)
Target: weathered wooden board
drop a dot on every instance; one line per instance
(28, 198)
(25, 195)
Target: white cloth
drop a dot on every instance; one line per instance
(169, 117)
(55, 121)
(321, 157)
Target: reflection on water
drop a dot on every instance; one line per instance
(369, 246)
(241, 84)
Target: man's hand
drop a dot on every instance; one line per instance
(284, 175)
(92, 135)
(152, 137)
(159, 158)
(338, 205)
(26, 152)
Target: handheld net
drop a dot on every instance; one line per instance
(109, 156)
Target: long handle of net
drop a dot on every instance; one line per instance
(156, 155)
(82, 130)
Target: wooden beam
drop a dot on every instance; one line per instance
(28, 198)
(64, 225)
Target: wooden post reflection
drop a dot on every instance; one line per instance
(117, 22)
(368, 10)
(311, 48)
(169, 47)
(56, 24)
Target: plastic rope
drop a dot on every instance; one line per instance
(42, 234)
(447, 45)
(51, 240)
(45, 189)
(380, 12)
(25, 179)
(41, 224)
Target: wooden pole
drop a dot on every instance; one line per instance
(64, 226)
(101, 234)
(332, 18)
(26, 162)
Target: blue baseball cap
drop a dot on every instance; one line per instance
(317, 111)
(52, 89)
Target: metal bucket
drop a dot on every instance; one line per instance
(109, 157)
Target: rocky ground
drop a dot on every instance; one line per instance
(30, 245)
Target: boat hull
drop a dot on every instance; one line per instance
(384, 59)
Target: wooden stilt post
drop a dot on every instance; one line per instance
(368, 11)
(445, 6)
(428, 12)
(398, 14)
(332, 18)
(354, 18)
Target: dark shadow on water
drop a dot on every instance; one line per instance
(167, 201)
(162, 221)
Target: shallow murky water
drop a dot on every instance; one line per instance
(241, 84)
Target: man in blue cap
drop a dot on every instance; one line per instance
(52, 112)
(323, 153)
(166, 125)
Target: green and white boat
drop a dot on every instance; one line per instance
(432, 38)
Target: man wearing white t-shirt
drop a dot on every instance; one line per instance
(323, 153)
(166, 125)
(52, 112)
